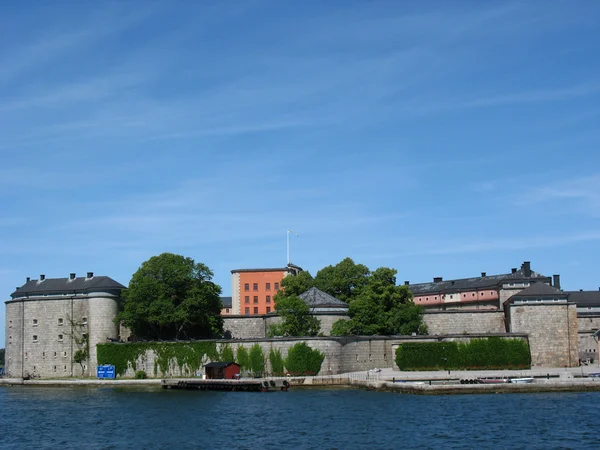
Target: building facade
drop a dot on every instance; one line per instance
(226, 309)
(483, 292)
(50, 319)
(253, 289)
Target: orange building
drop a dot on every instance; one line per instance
(253, 289)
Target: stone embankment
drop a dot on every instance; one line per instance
(427, 383)
(75, 382)
(449, 382)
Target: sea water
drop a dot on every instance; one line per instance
(152, 418)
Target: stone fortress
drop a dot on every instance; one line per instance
(48, 319)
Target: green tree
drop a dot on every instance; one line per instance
(83, 353)
(243, 358)
(257, 360)
(382, 308)
(296, 319)
(277, 364)
(172, 297)
(2, 356)
(295, 285)
(226, 354)
(344, 281)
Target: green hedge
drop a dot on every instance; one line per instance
(188, 356)
(303, 360)
(485, 353)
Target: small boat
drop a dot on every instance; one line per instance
(491, 380)
(522, 380)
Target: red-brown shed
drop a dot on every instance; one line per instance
(221, 370)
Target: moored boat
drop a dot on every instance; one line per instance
(522, 380)
(492, 380)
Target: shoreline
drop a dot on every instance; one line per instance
(433, 386)
(555, 379)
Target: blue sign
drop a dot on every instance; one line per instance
(106, 371)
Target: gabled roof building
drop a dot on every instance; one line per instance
(320, 301)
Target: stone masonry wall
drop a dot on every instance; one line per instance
(463, 322)
(245, 327)
(589, 349)
(588, 324)
(256, 327)
(44, 345)
(341, 355)
(552, 331)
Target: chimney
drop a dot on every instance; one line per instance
(28, 279)
(437, 279)
(90, 275)
(556, 281)
(72, 276)
(406, 283)
(513, 270)
(526, 269)
(483, 274)
(42, 277)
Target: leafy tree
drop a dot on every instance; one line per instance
(227, 354)
(257, 360)
(295, 285)
(82, 354)
(344, 280)
(243, 358)
(382, 308)
(172, 297)
(277, 365)
(2, 356)
(296, 319)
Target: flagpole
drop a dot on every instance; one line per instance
(287, 242)
(288, 246)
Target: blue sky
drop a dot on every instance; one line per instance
(439, 138)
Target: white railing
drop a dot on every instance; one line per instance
(365, 378)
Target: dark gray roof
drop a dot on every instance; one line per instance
(272, 269)
(467, 284)
(292, 268)
(540, 290)
(219, 364)
(316, 298)
(585, 298)
(227, 302)
(67, 285)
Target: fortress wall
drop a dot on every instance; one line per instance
(552, 330)
(464, 322)
(341, 355)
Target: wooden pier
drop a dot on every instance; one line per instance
(250, 385)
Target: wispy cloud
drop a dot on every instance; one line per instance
(582, 193)
(535, 96)
(47, 48)
(515, 98)
(511, 244)
(485, 246)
